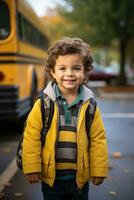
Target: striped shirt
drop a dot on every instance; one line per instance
(66, 148)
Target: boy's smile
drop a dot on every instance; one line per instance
(69, 72)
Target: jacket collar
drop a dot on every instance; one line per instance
(50, 91)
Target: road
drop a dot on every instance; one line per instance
(119, 122)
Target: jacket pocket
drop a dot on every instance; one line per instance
(86, 160)
(86, 167)
(46, 162)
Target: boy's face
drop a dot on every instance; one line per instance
(69, 72)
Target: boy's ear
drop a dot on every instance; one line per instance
(85, 79)
(52, 73)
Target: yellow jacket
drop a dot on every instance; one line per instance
(92, 156)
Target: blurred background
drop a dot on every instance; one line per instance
(27, 29)
(107, 26)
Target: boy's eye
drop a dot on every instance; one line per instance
(77, 68)
(62, 68)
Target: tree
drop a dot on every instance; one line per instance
(53, 24)
(102, 21)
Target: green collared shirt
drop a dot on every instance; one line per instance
(67, 107)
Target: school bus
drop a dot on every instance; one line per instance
(23, 45)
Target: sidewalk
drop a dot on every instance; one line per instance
(117, 92)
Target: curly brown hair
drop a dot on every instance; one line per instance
(69, 46)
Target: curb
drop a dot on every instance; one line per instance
(119, 95)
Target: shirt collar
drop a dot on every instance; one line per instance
(58, 92)
(59, 95)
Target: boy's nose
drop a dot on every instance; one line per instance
(69, 72)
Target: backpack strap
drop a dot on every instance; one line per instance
(47, 110)
(90, 114)
(42, 108)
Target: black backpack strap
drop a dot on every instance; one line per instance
(51, 112)
(90, 114)
(19, 150)
(47, 110)
(42, 108)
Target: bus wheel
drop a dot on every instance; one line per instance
(33, 89)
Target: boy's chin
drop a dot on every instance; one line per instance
(69, 87)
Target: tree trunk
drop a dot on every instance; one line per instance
(122, 76)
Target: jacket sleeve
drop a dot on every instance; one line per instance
(31, 153)
(98, 147)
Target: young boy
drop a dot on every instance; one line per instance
(70, 157)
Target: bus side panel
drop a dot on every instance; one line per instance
(25, 48)
(21, 59)
(37, 60)
(15, 90)
(41, 77)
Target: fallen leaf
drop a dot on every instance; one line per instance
(117, 154)
(7, 150)
(18, 194)
(113, 193)
(111, 167)
(126, 170)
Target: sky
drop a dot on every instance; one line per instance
(41, 6)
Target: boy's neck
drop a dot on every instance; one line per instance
(69, 95)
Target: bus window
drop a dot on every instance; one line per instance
(30, 34)
(4, 21)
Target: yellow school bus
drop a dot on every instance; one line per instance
(23, 45)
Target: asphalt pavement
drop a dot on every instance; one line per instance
(117, 106)
(117, 92)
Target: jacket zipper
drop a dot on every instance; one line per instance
(57, 133)
(79, 190)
